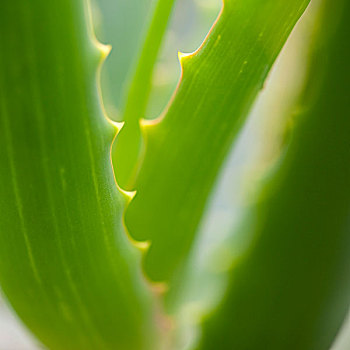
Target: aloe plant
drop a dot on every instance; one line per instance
(87, 264)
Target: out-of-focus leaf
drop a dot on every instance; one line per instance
(128, 144)
(290, 290)
(185, 149)
(66, 264)
(122, 25)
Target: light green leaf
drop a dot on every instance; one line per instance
(66, 264)
(121, 24)
(128, 145)
(186, 147)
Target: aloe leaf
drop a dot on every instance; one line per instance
(187, 145)
(128, 145)
(290, 290)
(121, 24)
(66, 264)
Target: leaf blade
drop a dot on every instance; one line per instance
(67, 266)
(192, 138)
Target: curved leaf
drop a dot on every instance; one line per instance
(186, 147)
(66, 263)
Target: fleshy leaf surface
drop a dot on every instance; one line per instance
(128, 146)
(66, 264)
(187, 145)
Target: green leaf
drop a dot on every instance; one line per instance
(128, 145)
(290, 290)
(66, 264)
(186, 147)
(121, 24)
